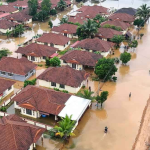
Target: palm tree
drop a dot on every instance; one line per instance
(86, 94)
(143, 12)
(8, 33)
(64, 129)
(102, 98)
(87, 30)
(61, 5)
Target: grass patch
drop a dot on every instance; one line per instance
(63, 52)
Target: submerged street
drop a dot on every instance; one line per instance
(121, 114)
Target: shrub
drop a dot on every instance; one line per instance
(53, 12)
(3, 109)
(64, 91)
(56, 89)
(63, 52)
(29, 82)
(40, 65)
(114, 78)
(83, 87)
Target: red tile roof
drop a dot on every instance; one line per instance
(17, 66)
(7, 8)
(120, 24)
(42, 99)
(98, 9)
(58, 39)
(2, 15)
(65, 28)
(81, 57)
(122, 17)
(107, 33)
(5, 24)
(77, 19)
(16, 134)
(94, 44)
(5, 84)
(38, 50)
(64, 75)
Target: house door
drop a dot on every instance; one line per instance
(32, 58)
(65, 34)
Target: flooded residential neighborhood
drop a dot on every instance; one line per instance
(126, 111)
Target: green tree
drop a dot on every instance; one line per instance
(32, 5)
(105, 68)
(99, 19)
(18, 30)
(64, 128)
(8, 33)
(133, 44)
(53, 12)
(117, 39)
(64, 20)
(61, 5)
(102, 98)
(125, 57)
(46, 6)
(55, 61)
(50, 24)
(112, 27)
(87, 30)
(4, 52)
(143, 12)
(139, 22)
(11, 0)
(29, 82)
(86, 94)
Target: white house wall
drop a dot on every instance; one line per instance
(5, 30)
(68, 88)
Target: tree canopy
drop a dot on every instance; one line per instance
(55, 61)
(87, 30)
(133, 44)
(61, 5)
(18, 30)
(86, 94)
(105, 68)
(139, 22)
(29, 82)
(4, 52)
(117, 39)
(64, 20)
(125, 57)
(102, 98)
(32, 5)
(99, 19)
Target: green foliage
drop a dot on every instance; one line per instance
(65, 91)
(105, 68)
(114, 78)
(64, 128)
(125, 57)
(117, 39)
(50, 23)
(53, 62)
(76, 23)
(61, 5)
(40, 65)
(139, 22)
(87, 30)
(3, 109)
(112, 27)
(18, 30)
(56, 89)
(116, 60)
(83, 87)
(4, 52)
(143, 11)
(53, 12)
(64, 20)
(99, 19)
(86, 94)
(97, 52)
(102, 98)
(63, 52)
(32, 5)
(46, 6)
(29, 82)
(133, 44)
(8, 33)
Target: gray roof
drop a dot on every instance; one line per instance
(130, 11)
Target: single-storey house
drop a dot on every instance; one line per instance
(8, 9)
(68, 30)
(95, 45)
(54, 40)
(63, 78)
(124, 26)
(35, 101)
(37, 52)
(130, 11)
(79, 59)
(6, 25)
(107, 34)
(6, 87)
(98, 9)
(16, 134)
(20, 17)
(16, 69)
(122, 17)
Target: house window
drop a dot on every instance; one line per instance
(64, 61)
(10, 74)
(28, 111)
(62, 86)
(65, 34)
(44, 57)
(53, 84)
(3, 73)
(74, 66)
(32, 58)
(9, 88)
(51, 44)
(26, 75)
(74, 34)
(45, 43)
(31, 71)
(16, 103)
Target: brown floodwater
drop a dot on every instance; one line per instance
(120, 113)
